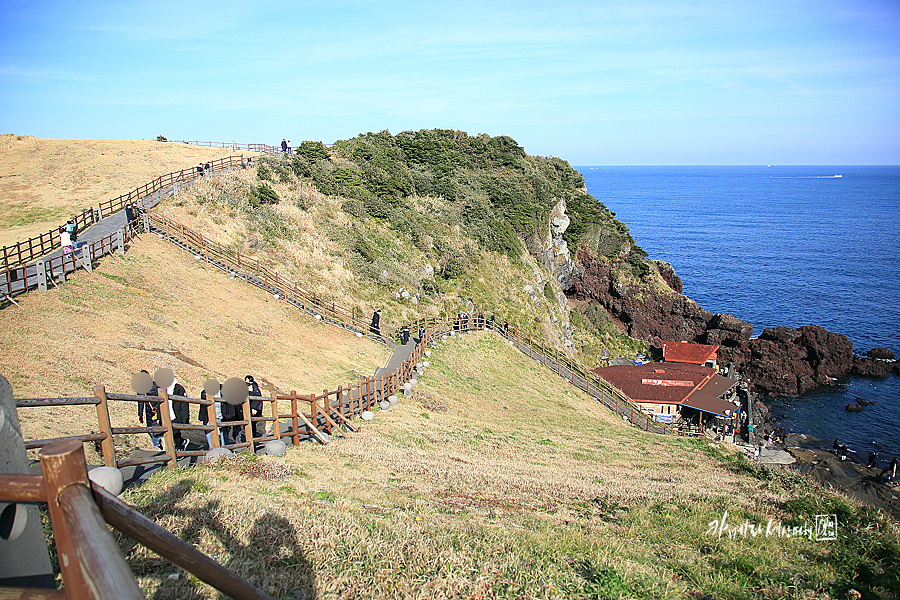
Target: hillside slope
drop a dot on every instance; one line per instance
(159, 307)
(44, 182)
(498, 480)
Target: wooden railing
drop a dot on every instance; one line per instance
(256, 273)
(308, 415)
(91, 564)
(54, 270)
(22, 253)
(560, 363)
(261, 148)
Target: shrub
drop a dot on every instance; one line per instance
(263, 171)
(313, 151)
(262, 194)
(161, 138)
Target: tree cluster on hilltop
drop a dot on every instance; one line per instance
(489, 186)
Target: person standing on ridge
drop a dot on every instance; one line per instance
(375, 327)
(283, 146)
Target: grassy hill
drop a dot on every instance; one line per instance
(44, 182)
(496, 480)
(159, 307)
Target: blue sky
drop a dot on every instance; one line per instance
(604, 83)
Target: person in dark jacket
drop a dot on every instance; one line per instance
(203, 417)
(230, 432)
(181, 413)
(256, 406)
(150, 410)
(375, 327)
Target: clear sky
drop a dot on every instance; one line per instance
(595, 83)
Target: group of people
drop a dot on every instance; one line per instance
(179, 412)
(285, 146)
(889, 473)
(467, 322)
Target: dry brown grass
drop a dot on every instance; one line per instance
(159, 307)
(43, 182)
(517, 486)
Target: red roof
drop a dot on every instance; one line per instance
(665, 383)
(683, 352)
(671, 383)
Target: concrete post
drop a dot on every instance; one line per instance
(26, 562)
(86, 257)
(42, 275)
(120, 239)
(145, 217)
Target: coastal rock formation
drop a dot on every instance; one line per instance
(781, 361)
(880, 353)
(867, 367)
(793, 361)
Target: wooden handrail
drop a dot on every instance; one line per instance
(102, 564)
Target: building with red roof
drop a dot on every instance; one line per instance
(667, 389)
(694, 354)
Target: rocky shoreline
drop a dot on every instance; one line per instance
(851, 477)
(781, 361)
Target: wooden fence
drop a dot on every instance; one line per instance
(91, 564)
(254, 272)
(22, 253)
(293, 416)
(53, 270)
(560, 363)
(262, 148)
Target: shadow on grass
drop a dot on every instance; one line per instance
(271, 559)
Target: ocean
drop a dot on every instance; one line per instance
(783, 245)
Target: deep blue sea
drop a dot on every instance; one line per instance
(783, 245)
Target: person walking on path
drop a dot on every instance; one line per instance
(65, 240)
(150, 410)
(256, 406)
(375, 326)
(284, 146)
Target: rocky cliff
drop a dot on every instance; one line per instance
(781, 360)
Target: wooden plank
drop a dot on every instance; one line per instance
(36, 402)
(22, 488)
(13, 593)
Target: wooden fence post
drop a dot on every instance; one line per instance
(107, 446)
(248, 428)
(42, 275)
(62, 465)
(294, 420)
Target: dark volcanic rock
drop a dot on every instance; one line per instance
(669, 276)
(882, 353)
(868, 367)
